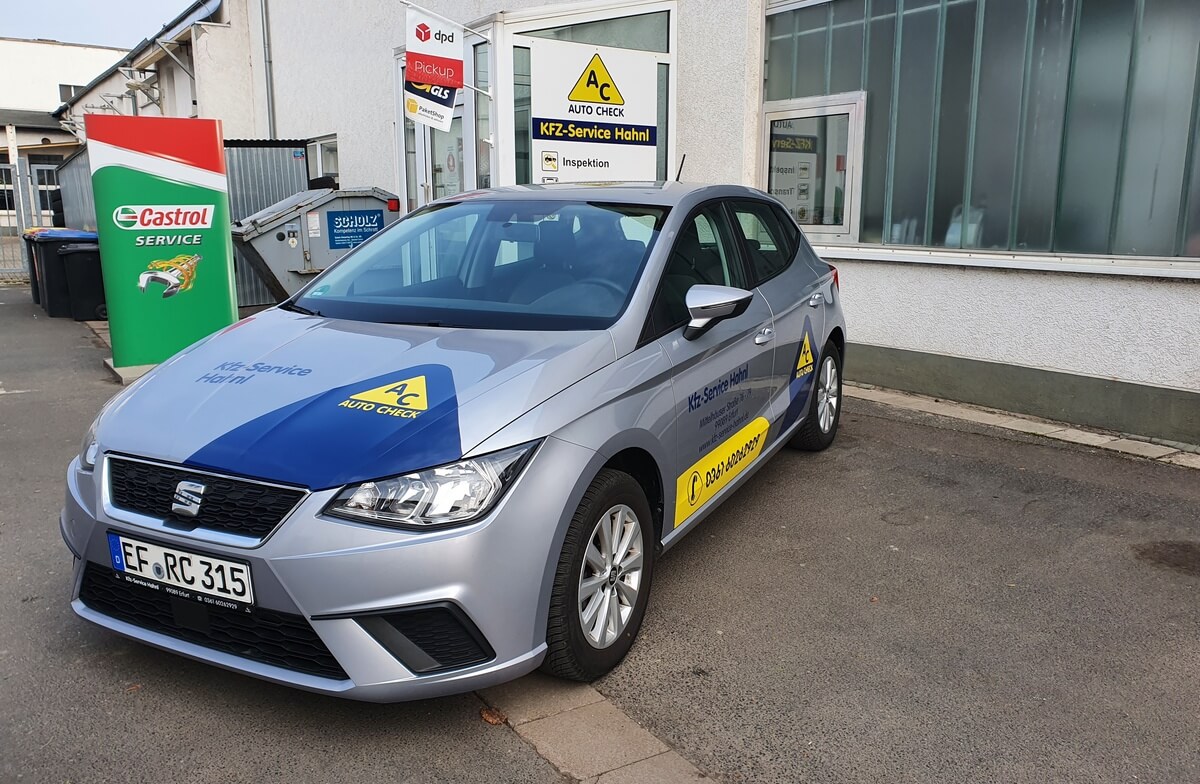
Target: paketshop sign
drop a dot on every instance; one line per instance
(148, 217)
(434, 51)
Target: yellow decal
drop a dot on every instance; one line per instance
(410, 105)
(404, 399)
(595, 85)
(718, 468)
(804, 365)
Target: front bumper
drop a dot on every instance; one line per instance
(340, 577)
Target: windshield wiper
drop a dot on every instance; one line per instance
(294, 308)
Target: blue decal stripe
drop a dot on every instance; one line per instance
(800, 387)
(332, 439)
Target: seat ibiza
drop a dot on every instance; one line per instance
(456, 455)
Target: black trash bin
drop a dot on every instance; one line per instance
(32, 248)
(84, 280)
(51, 273)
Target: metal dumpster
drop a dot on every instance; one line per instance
(294, 239)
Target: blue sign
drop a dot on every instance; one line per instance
(349, 228)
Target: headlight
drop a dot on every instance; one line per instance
(89, 450)
(452, 494)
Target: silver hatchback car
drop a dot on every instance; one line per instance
(456, 455)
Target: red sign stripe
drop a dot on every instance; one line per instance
(431, 69)
(190, 141)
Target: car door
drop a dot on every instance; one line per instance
(791, 287)
(723, 380)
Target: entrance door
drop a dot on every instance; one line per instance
(441, 168)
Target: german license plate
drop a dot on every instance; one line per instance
(181, 573)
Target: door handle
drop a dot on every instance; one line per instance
(816, 300)
(765, 335)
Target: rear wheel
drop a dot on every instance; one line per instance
(602, 582)
(825, 407)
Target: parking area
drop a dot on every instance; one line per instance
(929, 600)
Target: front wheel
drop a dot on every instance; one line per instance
(825, 407)
(602, 582)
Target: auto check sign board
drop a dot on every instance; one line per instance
(595, 112)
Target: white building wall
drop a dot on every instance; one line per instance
(32, 70)
(226, 57)
(333, 75)
(1134, 329)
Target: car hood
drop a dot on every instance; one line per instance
(318, 402)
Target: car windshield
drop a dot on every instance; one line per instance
(555, 265)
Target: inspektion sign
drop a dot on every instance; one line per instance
(595, 112)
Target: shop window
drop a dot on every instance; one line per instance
(1023, 125)
(645, 32)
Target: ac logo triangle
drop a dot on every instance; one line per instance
(804, 364)
(409, 393)
(596, 85)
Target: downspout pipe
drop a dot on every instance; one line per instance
(269, 73)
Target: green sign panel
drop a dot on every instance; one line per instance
(162, 209)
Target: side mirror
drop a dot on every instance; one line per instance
(709, 305)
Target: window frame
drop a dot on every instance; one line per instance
(853, 104)
(721, 204)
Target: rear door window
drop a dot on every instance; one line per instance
(769, 245)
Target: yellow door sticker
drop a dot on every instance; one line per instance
(718, 468)
(595, 85)
(804, 364)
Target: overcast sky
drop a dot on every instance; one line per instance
(120, 23)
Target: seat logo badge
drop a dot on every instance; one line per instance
(186, 502)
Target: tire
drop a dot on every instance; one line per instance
(573, 651)
(812, 436)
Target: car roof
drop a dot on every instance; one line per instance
(657, 193)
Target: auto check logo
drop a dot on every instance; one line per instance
(187, 498)
(405, 399)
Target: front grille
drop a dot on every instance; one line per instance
(261, 635)
(236, 506)
(431, 638)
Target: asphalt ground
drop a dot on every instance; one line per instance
(926, 601)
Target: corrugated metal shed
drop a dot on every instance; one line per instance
(261, 172)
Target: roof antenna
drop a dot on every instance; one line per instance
(680, 172)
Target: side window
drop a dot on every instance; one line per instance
(767, 242)
(703, 253)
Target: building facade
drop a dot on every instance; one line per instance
(1010, 188)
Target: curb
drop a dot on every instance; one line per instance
(584, 735)
(1186, 455)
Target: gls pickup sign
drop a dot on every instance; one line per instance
(138, 217)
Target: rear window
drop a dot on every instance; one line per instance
(557, 265)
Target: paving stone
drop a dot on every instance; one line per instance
(1189, 459)
(669, 768)
(1140, 448)
(537, 696)
(1083, 437)
(1030, 426)
(591, 740)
